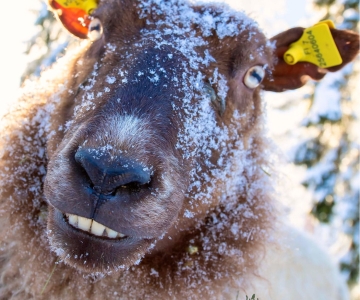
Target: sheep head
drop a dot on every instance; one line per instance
(159, 127)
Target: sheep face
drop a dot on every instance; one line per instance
(118, 165)
(157, 129)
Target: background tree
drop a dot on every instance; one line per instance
(48, 44)
(330, 150)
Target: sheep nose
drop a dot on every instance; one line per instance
(108, 174)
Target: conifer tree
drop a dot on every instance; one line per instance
(331, 153)
(48, 44)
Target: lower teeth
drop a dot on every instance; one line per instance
(92, 227)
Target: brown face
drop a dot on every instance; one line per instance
(116, 182)
(158, 133)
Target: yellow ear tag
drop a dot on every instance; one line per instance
(87, 5)
(316, 46)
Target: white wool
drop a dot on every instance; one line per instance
(297, 268)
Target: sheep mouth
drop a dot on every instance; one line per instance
(92, 227)
(89, 248)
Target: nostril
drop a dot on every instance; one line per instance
(131, 180)
(109, 175)
(132, 187)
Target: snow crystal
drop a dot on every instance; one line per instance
(111, 47)
(188, 214)
(153, 272)
(110, 79)
(234, 229)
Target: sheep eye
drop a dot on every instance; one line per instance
(95, 30)
(254, 76)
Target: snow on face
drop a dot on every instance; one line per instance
(218, 154)
(198, 116)
(223, 164)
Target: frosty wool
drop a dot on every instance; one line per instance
(135, 167)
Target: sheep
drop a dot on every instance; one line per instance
(138, 166)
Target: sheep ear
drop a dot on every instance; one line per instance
(289, 77)
(74, 19)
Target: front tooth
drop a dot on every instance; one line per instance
(84, 223)
(73, 220)
(111, 233)
(97, 228)
(121, 235)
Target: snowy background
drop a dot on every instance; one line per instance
(17, 19)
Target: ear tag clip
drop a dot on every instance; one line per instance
(316, 46)
(74, 15)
